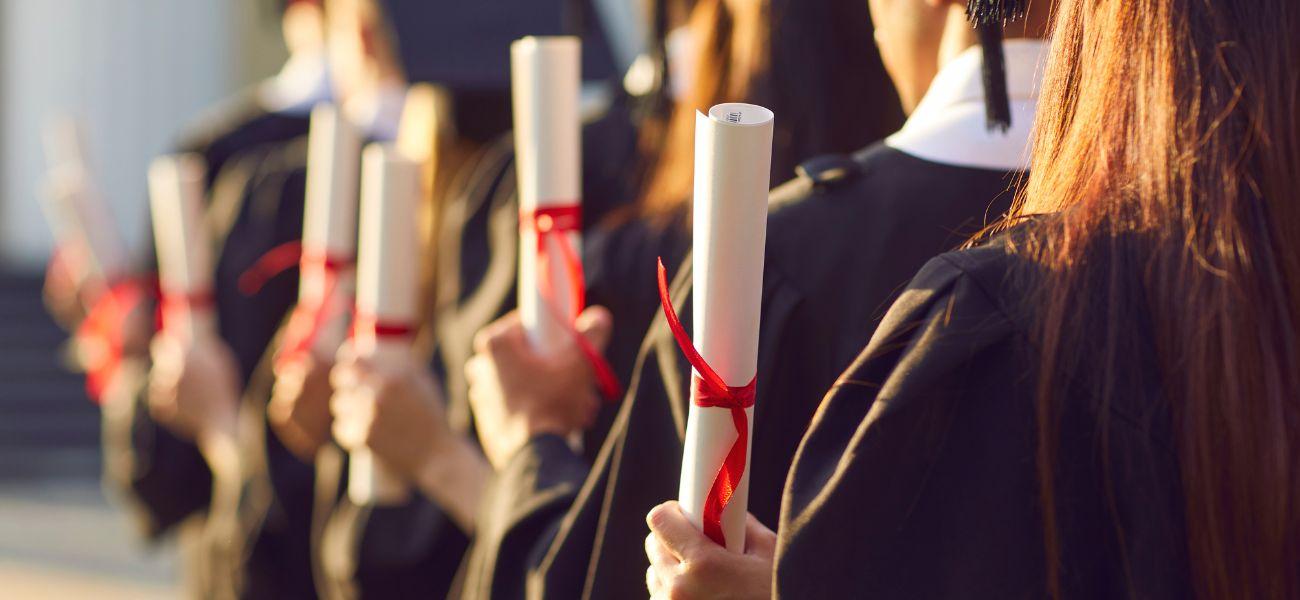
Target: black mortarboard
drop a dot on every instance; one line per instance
(465, 44)
(988, 17)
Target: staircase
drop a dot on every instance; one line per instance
(48, 429)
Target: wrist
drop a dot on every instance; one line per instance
(455, 474)
(219, 446)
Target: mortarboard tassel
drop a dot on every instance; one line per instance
(988, 17)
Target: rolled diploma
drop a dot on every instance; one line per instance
(330, 217)
(184, 251)
(387, 289)
(75, 208)
(733, 157)
(82, 223)
(545, 83)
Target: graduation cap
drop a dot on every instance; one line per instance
(464, 45)
(988, 17)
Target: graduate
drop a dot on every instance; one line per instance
(842, 240)
(1101, 402)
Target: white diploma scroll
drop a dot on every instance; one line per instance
(733, 156)
(545, 83)
(388, 254)
(76, 211)
(82, 225)
(329, 236)
(181, 240)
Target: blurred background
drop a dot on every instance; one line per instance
(133, 72)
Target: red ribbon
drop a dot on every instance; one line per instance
(373, 326)
(173, 304)
(105, 324)
(555, 222)
(308, 318)
(710, 391)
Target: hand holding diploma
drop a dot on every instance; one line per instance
(733, 155)
(193, 385)
(299, 408)
(545, 83)
(684, 564)
(518, 392)
(387, 300)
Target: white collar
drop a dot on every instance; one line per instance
(301, 84)
(949, 125)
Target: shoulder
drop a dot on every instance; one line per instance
(980, 292)
(883, 189)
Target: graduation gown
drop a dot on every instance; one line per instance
(842, 240)
(918, 477)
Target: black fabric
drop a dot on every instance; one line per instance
(262, 545)
(918, 477)
(405, 551)
(466, 45)
(837, 254)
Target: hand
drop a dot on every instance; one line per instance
(392, 408)
(194, 389)
(517, 393)
(299, 411)
(63, 296)
(684, 564)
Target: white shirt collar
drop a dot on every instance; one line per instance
(303, 82)
(949, 124)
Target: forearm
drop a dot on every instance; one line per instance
(455, 477)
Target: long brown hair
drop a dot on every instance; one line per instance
(813, 62)
(1168, 147)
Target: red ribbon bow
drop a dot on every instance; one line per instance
(104, 327)
(174, 304)
(308, 318)
(710, 391)
(557, 221)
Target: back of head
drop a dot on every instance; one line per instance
(813, 62)
(1168, 150)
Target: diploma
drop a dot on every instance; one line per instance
(319, 322)
(387, 299)
(733, 156)
(184, 250)
(77, 213)
(545, 82)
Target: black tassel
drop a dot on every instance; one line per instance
(997, 106)
(988, 17)
(983, 12)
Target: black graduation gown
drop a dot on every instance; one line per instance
(554, 527)
(164, 478)
(918, 476)
(260, 537)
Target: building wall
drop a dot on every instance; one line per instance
(134, 71)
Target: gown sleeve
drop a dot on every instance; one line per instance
(521, 515)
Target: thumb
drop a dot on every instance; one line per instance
(597, 325)
(674, 531)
